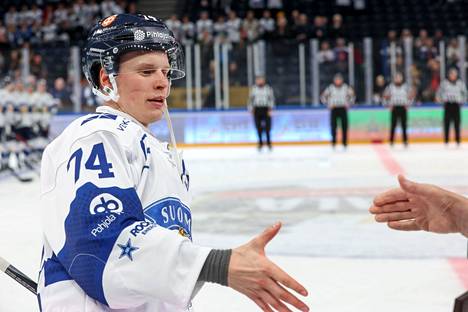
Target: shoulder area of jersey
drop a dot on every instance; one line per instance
(104, 121)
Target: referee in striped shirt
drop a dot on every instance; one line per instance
(261, 103)
(398, 96)
(338, 97)
(452, 92)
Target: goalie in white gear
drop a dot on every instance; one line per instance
(115, 201)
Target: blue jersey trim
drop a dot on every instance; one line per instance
(97, 217)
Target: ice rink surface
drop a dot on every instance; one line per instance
(329, 242)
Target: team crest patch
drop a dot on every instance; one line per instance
(172, 214)
(108, 21)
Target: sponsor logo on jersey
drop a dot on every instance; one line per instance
(103, 225)
(172, 214)
(108, 21)
(123, 125)
(105, 203)
(142, 228)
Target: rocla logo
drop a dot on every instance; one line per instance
(105, 203)
(139, 35)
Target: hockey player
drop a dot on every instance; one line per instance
(452, 93)
(115, 201)
(261, 103)
(47, 107)
(398, 96)
(338, 97)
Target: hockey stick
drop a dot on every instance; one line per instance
(18, 276)
(19, 177)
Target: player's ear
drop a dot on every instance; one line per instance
(104, 81)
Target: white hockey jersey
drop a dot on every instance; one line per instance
(116, 221)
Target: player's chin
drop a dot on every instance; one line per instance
(156, 114)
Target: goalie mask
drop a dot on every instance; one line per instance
(119, 34)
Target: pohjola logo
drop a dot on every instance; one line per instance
(105, 204)
(172, 214)
(104, 224)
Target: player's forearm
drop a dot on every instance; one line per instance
(459, 214)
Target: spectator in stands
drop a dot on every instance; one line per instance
(431, 80)
(13, 62)
(61, 93)
(282, 34)
(250, 27)
(174, 25)
(453, 53)
(236, 77)
(36, 14)
(49, 31)
(303, 30)
(23, 35)
(187, 30)
(326, 54)
(326, 59)
(90, 100)
(60, 14)
(336, 29)
(386, 51)
(37, 67)
(341, 55)
(405, 34)
(233, 28)
(379, 88)
(421, 39)
(11, 17)
(220, 30)
(295, 18)
(319, 30)
(438, 37)
(266, 25)
(3, 37)
(426, 51)
(48, 14)
(204, 27)
(94, 10)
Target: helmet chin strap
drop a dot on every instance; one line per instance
(174, 152)
(109, 94)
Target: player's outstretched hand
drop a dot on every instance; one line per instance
(415, 206)
(254, 275)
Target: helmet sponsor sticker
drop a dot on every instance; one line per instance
(108, 21)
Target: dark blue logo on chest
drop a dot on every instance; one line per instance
(172, 214)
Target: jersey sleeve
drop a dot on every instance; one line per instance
(95, 223)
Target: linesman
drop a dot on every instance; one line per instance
(398, 97)
(338, 97)
(452, 93)
(261, 103)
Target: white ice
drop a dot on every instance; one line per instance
(329, 242)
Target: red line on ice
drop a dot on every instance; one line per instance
(460, 266)
(390, 163)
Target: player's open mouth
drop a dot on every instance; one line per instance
(157, 101)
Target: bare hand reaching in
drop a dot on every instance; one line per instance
(254, 275)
